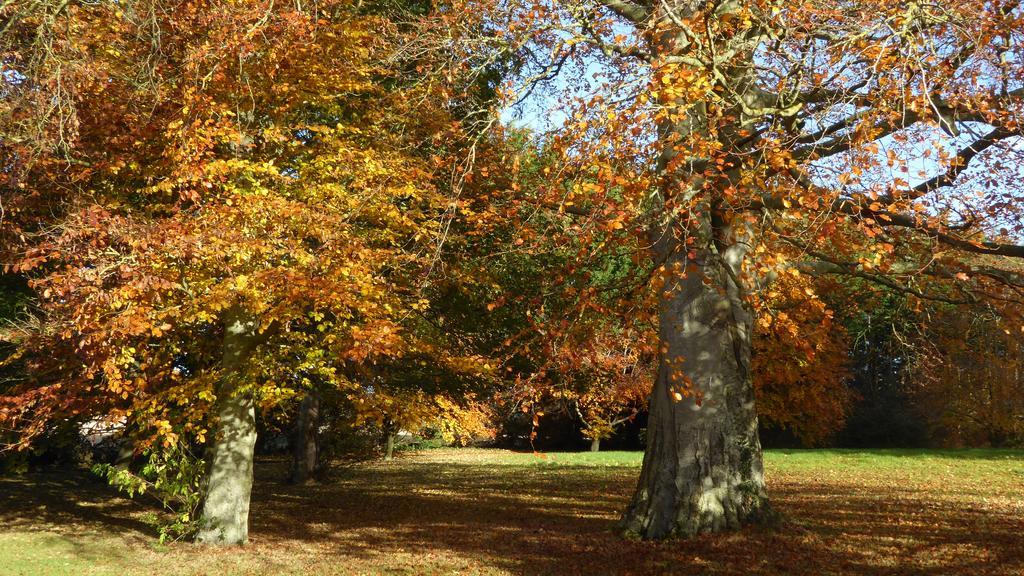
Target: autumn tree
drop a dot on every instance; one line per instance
(965, 376)
(427, 388)
(217, 205)
(595, 364)
(615, 387)
(801, 362)
(733, 142)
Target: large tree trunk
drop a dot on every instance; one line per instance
(305, 443)
(702, 470)
(225, 518)
(595, 445)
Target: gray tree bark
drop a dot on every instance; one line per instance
(702, 469)
(225, 517)
(306, 445)
(595, 445)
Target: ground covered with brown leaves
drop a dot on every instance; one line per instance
(497, 512)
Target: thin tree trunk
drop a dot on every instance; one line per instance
(702, 469)
(306, 445)
(595, 445)
(225, 518)
(389, 444)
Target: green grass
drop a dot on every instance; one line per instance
(982, 460)
(595, 459)
(494, 512)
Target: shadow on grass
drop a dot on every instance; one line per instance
(543, 520)
(74, 508)
(560, 520)
(67, 500)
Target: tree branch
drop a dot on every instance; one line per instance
(629, 10)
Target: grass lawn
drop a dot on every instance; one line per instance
(497, 512)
